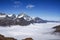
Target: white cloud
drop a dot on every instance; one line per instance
(17, 2)
(30, 6)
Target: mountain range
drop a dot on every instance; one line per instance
(20, 19)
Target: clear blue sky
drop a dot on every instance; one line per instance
(45, 9)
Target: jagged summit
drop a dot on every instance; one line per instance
(26, 17)
(20, 19)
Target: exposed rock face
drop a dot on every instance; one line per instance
(22, 19)
(6, 22)
(6, 38)
(57, 28)
(26, 17)
(22, 22)
(27, 39)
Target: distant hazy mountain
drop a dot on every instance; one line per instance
(39, 20)
(52, 21)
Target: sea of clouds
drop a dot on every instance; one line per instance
(41, 31)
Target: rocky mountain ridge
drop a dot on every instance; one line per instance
(21, 19)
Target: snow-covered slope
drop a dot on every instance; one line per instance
(26, 17)
(35, 31)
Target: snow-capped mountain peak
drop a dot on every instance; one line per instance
(26, 17)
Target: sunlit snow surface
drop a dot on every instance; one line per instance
(41, 31)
